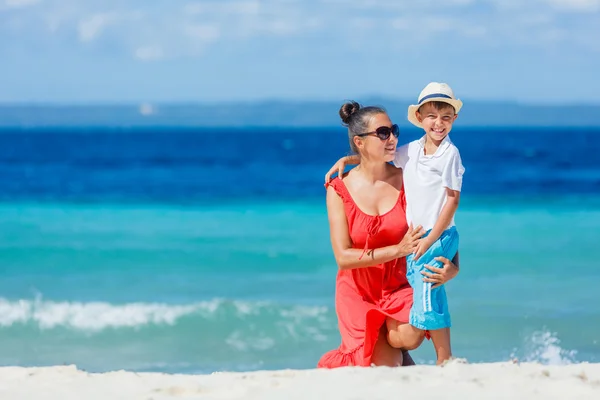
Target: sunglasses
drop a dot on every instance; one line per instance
(383, 132)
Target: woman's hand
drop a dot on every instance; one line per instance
(439, 276)
(410, 241)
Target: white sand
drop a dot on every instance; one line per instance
(454, 381)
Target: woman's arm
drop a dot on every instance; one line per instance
(350, 258)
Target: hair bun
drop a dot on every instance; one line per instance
(348, 110)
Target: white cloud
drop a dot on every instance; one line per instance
(204, 33)
(249, 7)
(534, 6)
(387, 5)
(431, 27)
(19, 3)
(474, 31)
(192, 28)
(149, 53)
(91, 27)
(282, 27)
(576, 5)
(363, 23)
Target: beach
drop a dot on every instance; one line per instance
(456, 380)
(167, 228)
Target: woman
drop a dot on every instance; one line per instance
(370, 240)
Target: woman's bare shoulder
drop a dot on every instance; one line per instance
(349, 177)
(395, 176)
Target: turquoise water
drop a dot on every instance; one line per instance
(250, 285)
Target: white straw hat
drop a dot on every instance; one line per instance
(434, 91)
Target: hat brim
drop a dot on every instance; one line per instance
(412, 109)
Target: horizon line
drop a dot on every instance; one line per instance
(205, 103)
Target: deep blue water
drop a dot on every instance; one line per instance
(191, 165)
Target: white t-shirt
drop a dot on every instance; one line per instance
(426, 178)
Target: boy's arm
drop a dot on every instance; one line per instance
(442, 222)
(340, 165)
(452, 175)
(400, 159)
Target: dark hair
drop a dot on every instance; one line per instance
(357, 118)
(439, 106)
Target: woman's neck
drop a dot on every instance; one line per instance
(372, 171)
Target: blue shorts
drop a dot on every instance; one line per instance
(430, 307)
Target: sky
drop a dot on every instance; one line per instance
(109, 51)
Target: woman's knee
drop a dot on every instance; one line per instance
(384, 354)
(403, 336)
(413, 341)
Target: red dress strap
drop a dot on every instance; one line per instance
(373, 221)
(340, 188)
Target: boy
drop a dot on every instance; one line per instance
(433, 171)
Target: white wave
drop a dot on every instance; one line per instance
(544, 347)
(241, 342)
(97, 316)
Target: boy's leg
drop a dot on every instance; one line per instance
(430, 307)
(441, 343)
(437, 314)
(441, 337)
(424, 299)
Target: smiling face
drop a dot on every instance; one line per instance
(371, 146)
(437, 120)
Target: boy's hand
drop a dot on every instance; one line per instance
(422, 247)
(340, 165)
(409, 242)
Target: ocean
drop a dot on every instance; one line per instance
(195, 250)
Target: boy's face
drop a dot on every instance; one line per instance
(437, 123)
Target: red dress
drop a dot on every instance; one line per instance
(366, 296)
